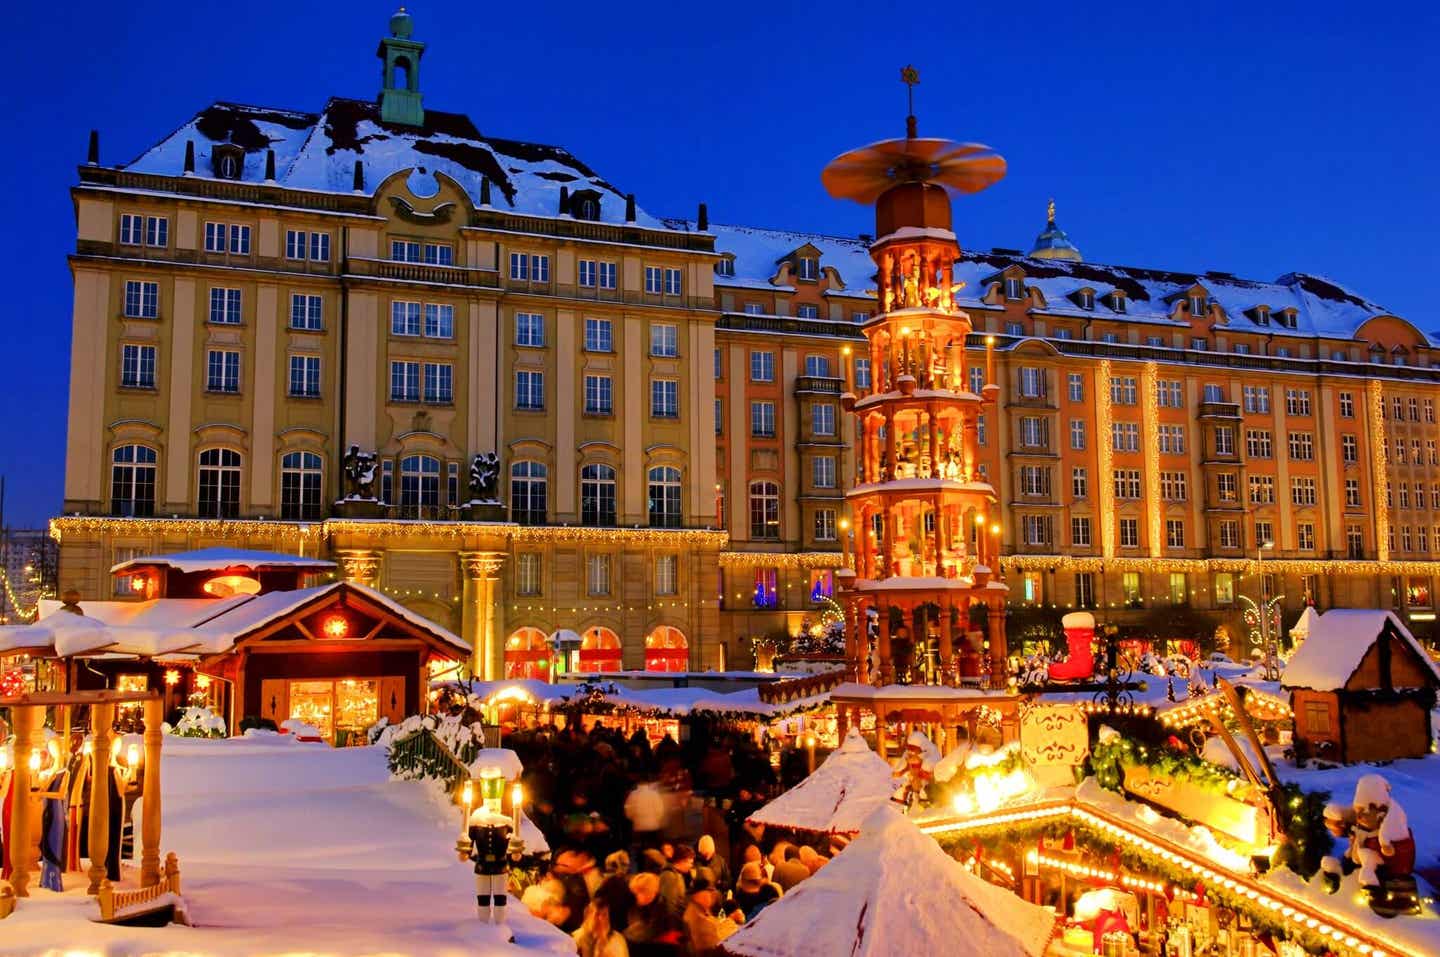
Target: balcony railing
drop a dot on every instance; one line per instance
(1219, 410)
(422, 272)
(824, 385)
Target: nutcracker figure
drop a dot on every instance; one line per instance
(490, 848)
(1382, 847)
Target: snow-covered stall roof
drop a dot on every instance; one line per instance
(219, 558)
(318, 152)
(851, 783)
(1305, 623)
(894, 891)
(1336, 645)
(169, 625)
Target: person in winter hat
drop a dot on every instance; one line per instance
(705, 856)
(1381, 843)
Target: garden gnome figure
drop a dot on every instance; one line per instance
(1382, 846)
(490, 850)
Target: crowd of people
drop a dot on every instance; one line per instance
(653, 855)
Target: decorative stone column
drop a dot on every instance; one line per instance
(150, 823)
(481, 621)
(360, 565)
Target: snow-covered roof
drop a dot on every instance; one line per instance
(851, 783)
(1336, 645)
(1323, 307)
(169, 625)
(317, 151)
(894, 891)
(219, 558)
(1307, 620)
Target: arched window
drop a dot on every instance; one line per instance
(219, 484)
(599, 650)
(419, 484)
(597, 495)
(527, 493)
(664, 494)
(764, 510)
(527, 654)
(817, 366)
(666, 649)
(132, 481)
(301, 480)
(400, 75)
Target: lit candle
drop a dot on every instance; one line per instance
(989, 360)
(467, 794)
(517, 797)
(845, 541)
(845, 368)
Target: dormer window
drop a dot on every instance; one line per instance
(1199, 305)
(1289, 318)
(1014, 289)
(809, 268)
(1262, 315)
(725, 267)
(228, 161)
(1117, 301)
(1087, 299)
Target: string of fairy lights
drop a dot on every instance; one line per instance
(15, 602)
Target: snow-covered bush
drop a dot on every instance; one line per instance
(198, 722)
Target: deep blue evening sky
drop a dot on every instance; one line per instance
(1257, 139)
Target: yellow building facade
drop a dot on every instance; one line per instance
(264, 290)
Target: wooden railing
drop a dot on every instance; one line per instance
(426, 756)
(113, 902)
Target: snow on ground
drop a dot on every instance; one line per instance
(289, 848)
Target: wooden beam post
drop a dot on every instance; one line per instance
(102, 718)
(22, 836)
(150, 823)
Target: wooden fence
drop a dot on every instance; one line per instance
(113, 902)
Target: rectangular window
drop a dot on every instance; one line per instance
(142, 299)
(599, 335)
(529, 389)
(222, 371)
(1262, 490)
(404, 318)
(664, 398)
(137, 367)
(667, 574)
(1127, 484)
(1035, 481)
(862, 373)
(807, 311)
(663, 340)
(587, 273)
(1079, 484)
(1224, 440)
(131, 229)
(1199, 343)
(1264, 533)
(225, 306)
(439, 254)
(1227, 487)
(439, 383)
(404, 251)
(1034, 432)
(719, 417)
(762, 420)
(1257, 399)
(1349, 449)
(1035, 530)
(1297, 401)
(1168, 394)
(1412, 409)
(762, 366)
(1129, 534)
(1125, 436)
(977, 379)
(216, 236)
(598, 395)
(439, 321)
(1174, 533)
(1352, 493)
(157, 231)
(1213, 392)
(825, 525)
(672, 282)
(305, 377)
(529, 329)
(1077, 433)
(1229, 533)
(822, 419)
(320, 247)
(404, 381)
(1302, 490)
(1122, 390)
(822, 471)
(527, 573)
(1347, 405)
(1084, 590)
(295, 244)
(1257, 443)
(1179, 589)
(1305, 536)
(1080, 531)
(1172, 439)
(597, 574)
(652, 280)
(1174, 486)
(1302, 446)
(1032, 383)
(1014, 288)
(607, 275)
(307, 312)
(1075, 386)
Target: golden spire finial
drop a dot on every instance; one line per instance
(910, 77)
(1050, 212)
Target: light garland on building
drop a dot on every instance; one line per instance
(222, 528)
(1149, 434)
(1379, 460)
(802, 560)
(1298, 566)
(1105, 480)
(1111, 876)
(14, 599)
